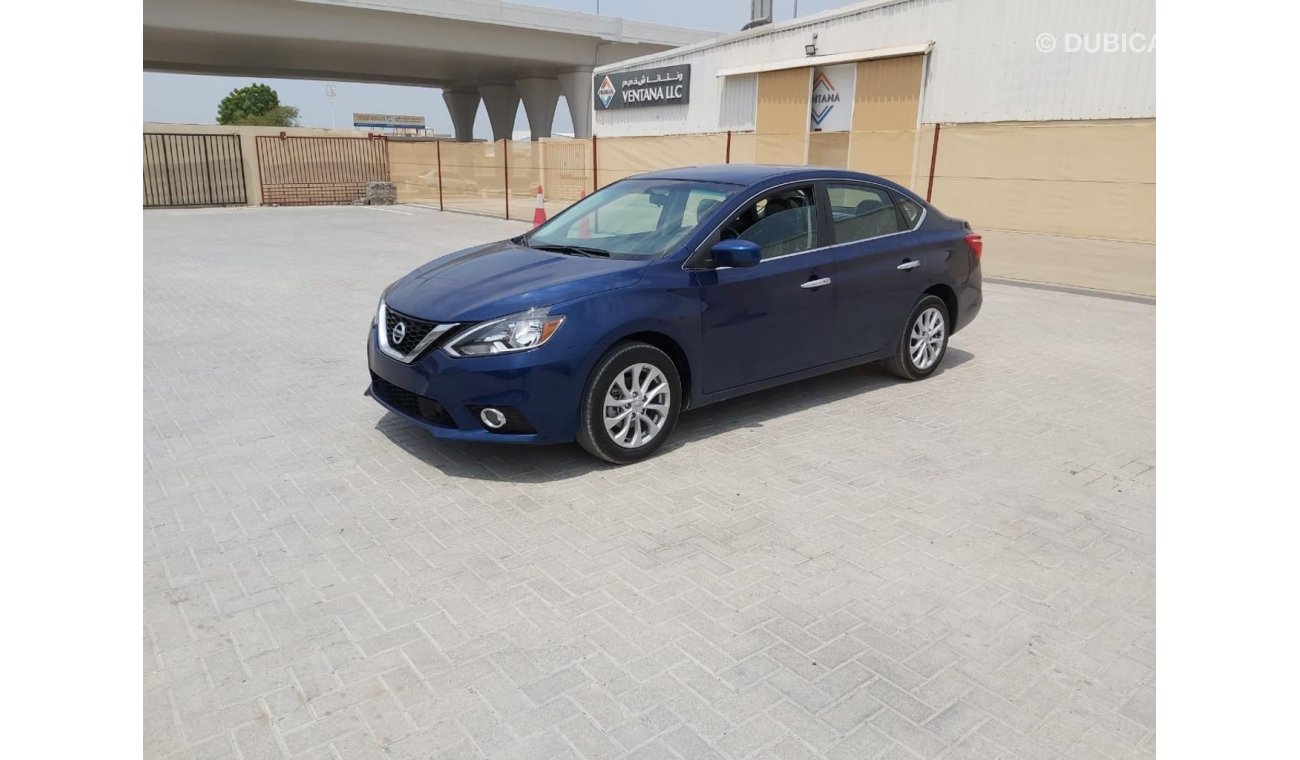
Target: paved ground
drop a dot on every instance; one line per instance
(852, 567)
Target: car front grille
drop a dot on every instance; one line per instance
(411, 404)
(416, 330)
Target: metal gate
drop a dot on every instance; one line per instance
(193, 170)
(301, 171)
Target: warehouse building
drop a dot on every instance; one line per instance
(1024, 115)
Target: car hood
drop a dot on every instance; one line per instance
(502, 278)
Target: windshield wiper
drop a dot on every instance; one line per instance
(580, 250)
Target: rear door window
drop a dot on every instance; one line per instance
(861, 212)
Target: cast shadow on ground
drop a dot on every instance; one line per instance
(524, 463)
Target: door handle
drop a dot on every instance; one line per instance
(909, 264)
(816, 283)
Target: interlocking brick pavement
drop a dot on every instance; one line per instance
(850, 567)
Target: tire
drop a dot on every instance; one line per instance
(629, 368)
(918, 340)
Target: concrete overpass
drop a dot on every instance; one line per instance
(495, 52)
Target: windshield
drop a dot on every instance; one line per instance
(632, 219)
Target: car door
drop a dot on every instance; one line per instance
(774, 318)
(879, 266)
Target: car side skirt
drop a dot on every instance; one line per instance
(791, 377)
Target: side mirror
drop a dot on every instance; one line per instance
(736, 253)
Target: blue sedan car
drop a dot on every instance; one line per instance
(669, 291)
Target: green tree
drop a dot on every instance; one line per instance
(257, 105)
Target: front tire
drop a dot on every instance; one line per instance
(924, 341)
(630, 405)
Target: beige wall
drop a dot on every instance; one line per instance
(624, 156)
(413, 168)
(828, 149)
(887, 94)
(886, 99)
(783, 98)
(474, 174)
(1090, 179)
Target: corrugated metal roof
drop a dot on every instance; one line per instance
(739, 102)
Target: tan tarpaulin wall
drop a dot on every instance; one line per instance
(525, 175)
(887, 94)
(828, 149)
(886, 99)
(1088, 179)
(783, 100)
(1092, 179)
(414, 170)
(566, 167)
(473, 178)
(624, 156)
(892, 154)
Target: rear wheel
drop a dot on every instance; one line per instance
(631, 403)
(924, 340)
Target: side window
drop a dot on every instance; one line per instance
(911, 212)
(861, 212)
(782, 223)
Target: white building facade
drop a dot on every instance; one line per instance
(1001, 110)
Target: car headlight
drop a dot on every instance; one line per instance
(517, 332)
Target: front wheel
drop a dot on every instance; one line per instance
(924, 340)
(631, 404)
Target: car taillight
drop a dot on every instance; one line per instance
(976, 243)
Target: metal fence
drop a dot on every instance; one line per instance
(193, 170)
(301, 171)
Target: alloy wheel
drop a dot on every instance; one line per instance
(636, 405)
(926, 338)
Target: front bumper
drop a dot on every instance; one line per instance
(545, 385)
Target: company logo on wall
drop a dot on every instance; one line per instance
(824, 97)
(606, 91)
(665, 86)
(831, 102)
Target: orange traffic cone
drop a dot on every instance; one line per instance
(539, 211)
(584, 226)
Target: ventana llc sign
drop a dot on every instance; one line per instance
(666, 86)
(831, 103)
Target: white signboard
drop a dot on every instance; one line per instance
(831, 104)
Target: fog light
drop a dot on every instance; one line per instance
(493, 418)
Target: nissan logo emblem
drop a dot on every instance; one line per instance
(399, 333)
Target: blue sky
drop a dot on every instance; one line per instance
(183, 98)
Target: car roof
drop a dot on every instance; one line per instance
(751, 174)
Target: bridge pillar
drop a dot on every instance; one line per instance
(463, 107)
(576, 87)
(502, 101)
(541, 96)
